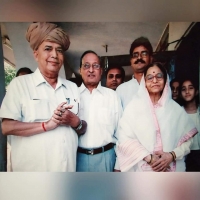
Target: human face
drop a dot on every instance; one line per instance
(50, 57)
(175, 90)
(139, 63)
(22, 73)
(114, 78)
(90, 76)
(188, 92)
(154, 86)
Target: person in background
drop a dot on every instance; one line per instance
(175, 88)
(189, 95)
(40, 110)
(114, 77)
(155, 133)
(23, 71)
(140, 56)
(101, 109)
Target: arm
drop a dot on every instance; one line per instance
(18, 128)
(166, 158)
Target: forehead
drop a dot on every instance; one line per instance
(114, 71)
(90, 57)
(139, 49)
(175, 84)
(51, 44)
(185, 83)
(154, 70)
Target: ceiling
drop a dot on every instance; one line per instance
(118, 37)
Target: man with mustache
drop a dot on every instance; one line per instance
(140, 56)
(114, 77)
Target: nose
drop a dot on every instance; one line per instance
(54, 53)
(175, 90)
(154, 79)
(91, 69)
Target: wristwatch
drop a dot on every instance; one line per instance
(79, 126)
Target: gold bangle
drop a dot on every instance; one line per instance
(174, 155)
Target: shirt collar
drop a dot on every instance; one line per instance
(39, 79)
(98, 88)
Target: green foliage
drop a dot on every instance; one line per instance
(10, 73)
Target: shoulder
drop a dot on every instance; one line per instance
(125, 84)
(108, 91)
(69, 83)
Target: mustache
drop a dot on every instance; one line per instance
(139, 60)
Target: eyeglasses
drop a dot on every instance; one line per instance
(143, 54)
(87, 66)
(150, 77)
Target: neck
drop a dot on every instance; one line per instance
(154, 97)
(191, 107)
(138, 76)
(51, 79)
(90, 87)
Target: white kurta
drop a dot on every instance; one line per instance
(196, 119)
(126, 91)
(101, 110)
(31, 99)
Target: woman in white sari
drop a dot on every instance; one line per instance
(154, 133)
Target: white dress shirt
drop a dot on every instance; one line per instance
(30, 98)
(101, 110)
(126, 91)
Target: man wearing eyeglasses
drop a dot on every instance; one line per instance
(114, 77)
(101, 109)
(140, 56)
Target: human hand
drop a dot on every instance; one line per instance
(65, 116)
(162, 164)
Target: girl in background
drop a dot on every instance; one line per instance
(189, 95)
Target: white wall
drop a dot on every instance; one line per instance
(176, 31)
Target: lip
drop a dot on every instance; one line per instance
(91, 75)
(155, 86)
(53, 63)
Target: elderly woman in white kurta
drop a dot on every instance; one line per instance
(154, 132)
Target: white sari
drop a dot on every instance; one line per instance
(145, 128)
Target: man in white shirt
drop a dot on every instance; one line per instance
(140, 56)
(40, 110)
(100, 108)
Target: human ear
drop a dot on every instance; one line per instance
(35, 54)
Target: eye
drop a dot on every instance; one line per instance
(47, 49)
(59, 50)
(118, 76)
(96, 66)
(191, 87)
(183, 89)
(135, 55)
(110, 76)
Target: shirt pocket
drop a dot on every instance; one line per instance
(105, 116)
(36, 110)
